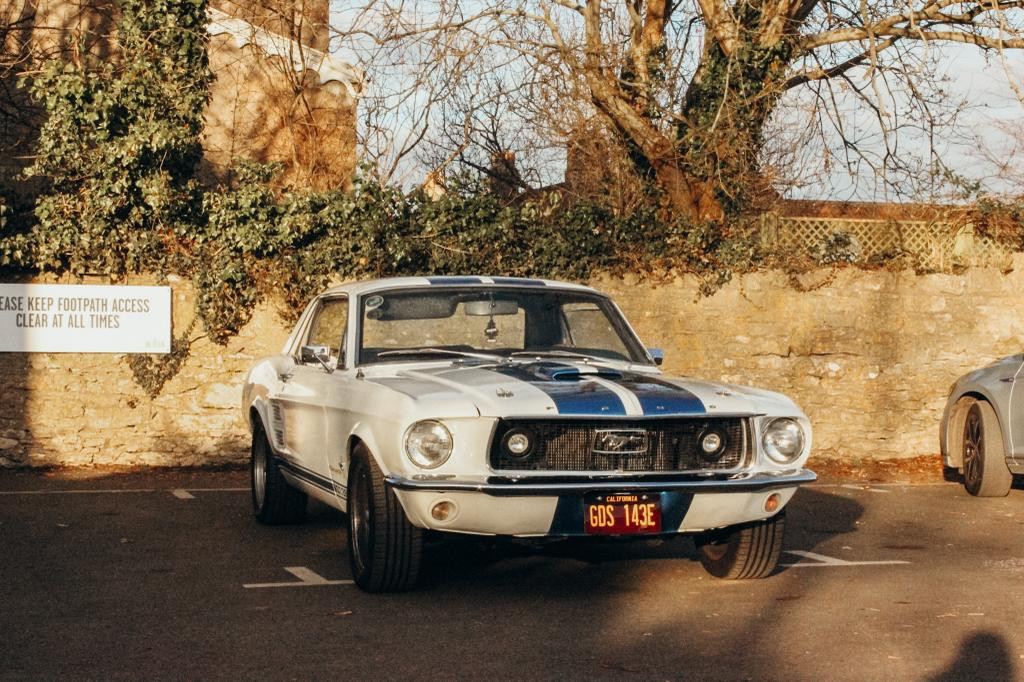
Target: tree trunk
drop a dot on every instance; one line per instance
(721, 130)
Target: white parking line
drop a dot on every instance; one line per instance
(869, 488)
(306, 576)
(822, 561)
(183, 494)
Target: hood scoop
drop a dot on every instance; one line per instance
(552, 372)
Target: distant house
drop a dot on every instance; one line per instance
(279, 96)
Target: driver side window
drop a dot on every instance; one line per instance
(328, 328)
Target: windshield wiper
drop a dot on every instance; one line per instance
(435, 351)
(553, 353)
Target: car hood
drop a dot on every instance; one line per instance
(545, 388)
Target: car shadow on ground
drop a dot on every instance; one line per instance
(983, 655)
(813, 517)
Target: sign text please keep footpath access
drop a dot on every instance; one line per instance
(83, 318)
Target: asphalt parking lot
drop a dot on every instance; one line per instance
(167, 576)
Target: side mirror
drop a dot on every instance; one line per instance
(320, 354)
(657, 354)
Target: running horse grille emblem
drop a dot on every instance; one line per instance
(621, 442)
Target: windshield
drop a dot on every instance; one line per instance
(485, 322)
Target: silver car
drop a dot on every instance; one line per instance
(982, 432)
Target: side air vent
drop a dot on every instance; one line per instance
(277, 424)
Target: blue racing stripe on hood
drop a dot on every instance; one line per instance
(659, 397)
(582, 397)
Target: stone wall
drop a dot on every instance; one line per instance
(260, 108)
(87, 409)
(869, 355)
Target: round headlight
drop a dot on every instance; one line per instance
(783, 440)
(518, 442)
(428, 444)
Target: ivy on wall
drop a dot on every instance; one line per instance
(118, 151)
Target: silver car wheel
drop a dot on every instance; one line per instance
(974, 444)
(273, 500)
(359, 512)
(259, 475)
(984, 458)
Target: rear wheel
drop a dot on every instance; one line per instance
(273, 500)
(743, 552)
(985, 471)
(384, 549)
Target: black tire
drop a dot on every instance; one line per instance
(984, 458)
(384, 549)
(743, 552)
(273, 501)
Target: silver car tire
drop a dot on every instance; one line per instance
(984, 458)
(744, 552)
(384, 549)
(274, 502)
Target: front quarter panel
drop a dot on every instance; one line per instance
(993, 384)
(259, 384)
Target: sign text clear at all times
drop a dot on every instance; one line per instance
(75, 318)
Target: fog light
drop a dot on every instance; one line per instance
(442, 511)
(772, 503)
(518, 443)
(712, 444)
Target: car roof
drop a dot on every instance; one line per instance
(367, 286)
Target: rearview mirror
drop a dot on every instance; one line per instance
(657, 354)
(491, 307)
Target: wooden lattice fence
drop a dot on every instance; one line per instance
(931, 244)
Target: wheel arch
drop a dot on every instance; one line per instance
(363, 435)
(955, 425)
(257, 415)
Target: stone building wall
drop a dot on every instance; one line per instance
(261, 109)
(294, 111)
(869, 355)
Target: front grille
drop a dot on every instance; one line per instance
(646, 445)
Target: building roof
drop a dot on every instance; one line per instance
(328, 67)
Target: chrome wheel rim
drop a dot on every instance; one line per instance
(974, 444)
(359, 516)
(259, 473)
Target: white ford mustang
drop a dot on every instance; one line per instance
(511, 407)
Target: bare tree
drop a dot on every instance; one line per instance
(691, 87)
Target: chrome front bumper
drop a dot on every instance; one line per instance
(507, 486)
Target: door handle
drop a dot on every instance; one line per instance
(1007, 380)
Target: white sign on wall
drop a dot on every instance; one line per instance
(83, 318)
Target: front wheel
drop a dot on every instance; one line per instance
(743, 552)
(384, 549)
(273, 500)
(985, 471)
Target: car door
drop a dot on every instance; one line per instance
(303, 397)
(1015, 414)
